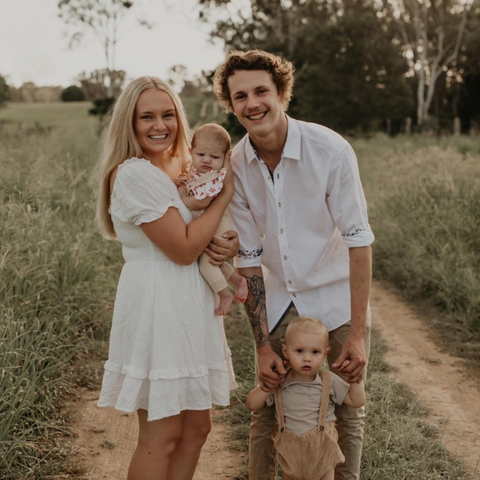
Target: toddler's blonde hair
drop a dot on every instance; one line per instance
(306, 324)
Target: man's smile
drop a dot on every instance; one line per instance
(256, 116)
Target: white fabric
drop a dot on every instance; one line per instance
(168, 351)
(300, 225)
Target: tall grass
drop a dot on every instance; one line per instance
(57, 277)
(424, 202)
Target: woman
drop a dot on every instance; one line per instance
(168, 358)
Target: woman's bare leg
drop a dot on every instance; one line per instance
(196, 427)
(156, 443)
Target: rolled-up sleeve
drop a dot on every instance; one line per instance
(346, 200)
(250, 253)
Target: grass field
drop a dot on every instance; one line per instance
(424, 205)
(58, 278)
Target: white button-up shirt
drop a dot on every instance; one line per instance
(299, 224)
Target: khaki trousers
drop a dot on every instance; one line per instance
(350, 421)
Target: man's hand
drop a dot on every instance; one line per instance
(222, 249)
(271, 370)
(353, 359)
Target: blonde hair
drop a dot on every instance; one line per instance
(121, 143)
(279, 68)
(214, 133)
(306, 324)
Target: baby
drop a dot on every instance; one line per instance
(305, 404)
(210, 145)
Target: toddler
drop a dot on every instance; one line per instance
(210, 145)
(305, 404)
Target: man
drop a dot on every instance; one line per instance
(301, 214)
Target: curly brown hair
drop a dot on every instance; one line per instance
(280, 69)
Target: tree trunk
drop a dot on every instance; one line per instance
(457, 126)
(389, 127)
(408, 126)
(111, 82)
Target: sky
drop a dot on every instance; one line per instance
(33, 46)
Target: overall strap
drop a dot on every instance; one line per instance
(277, 395)
(326, 382)
(206, 177)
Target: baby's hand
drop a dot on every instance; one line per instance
(182, 191)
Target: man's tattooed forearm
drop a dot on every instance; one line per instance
(256, 310)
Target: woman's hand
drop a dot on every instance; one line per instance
(228, 186)
(222, 249)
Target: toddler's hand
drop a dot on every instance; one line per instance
(264, 388)
(345, 364)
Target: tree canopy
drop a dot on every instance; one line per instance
(359, 64)
(104, 20)
(4, 91)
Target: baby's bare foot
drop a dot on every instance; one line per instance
(226, 299)
(242, 288)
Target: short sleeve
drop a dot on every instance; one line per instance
(346, 200)
(142, 193)
(251, 249)
(338, 389)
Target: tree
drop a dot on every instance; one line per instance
(4, 91)
(349, 73)
(103, 19)
(73, 94)
(95, 85)
(431, 34)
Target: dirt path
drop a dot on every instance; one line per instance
(106, 438)
(452, 398)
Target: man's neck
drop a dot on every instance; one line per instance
(270, 146)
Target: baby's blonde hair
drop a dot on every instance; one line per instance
(213, 132)
(306, 324)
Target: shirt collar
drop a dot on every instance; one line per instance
(316, 381)
(292, 146)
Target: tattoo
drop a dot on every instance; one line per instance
(256, 310)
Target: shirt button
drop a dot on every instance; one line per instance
(290, 282)
(294, 295)
(281, 230)
(284, 257)
(279, 204)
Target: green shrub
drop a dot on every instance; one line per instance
(73, 94)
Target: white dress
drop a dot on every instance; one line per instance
(168, 351)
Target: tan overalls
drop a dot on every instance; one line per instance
(308, 456)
